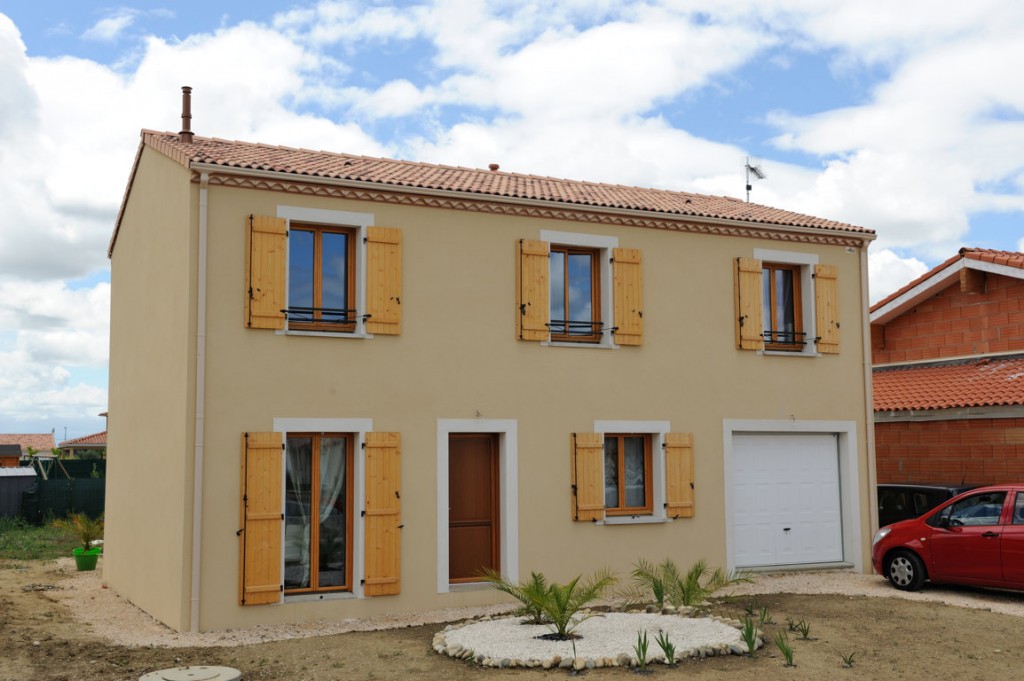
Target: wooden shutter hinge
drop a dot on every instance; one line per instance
(239, 533)
(522, 309)
(574, 490)
(397, 495)
(401, 526)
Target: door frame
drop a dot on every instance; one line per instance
(850, 494)
(508, 484)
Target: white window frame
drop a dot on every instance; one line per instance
(849, 479)
(359, 428)
(656, 430)
(806, 261)
(508, 466)
(334, 218)
(604, 246)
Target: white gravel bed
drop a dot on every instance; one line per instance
(607, 635)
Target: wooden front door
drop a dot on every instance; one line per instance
(473, 527)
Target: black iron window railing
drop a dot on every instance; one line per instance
(571, 327)
(777, 337)
(320, 315)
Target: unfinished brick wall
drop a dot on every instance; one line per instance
(982, 314)
(969, 450)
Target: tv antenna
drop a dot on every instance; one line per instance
(753, 168)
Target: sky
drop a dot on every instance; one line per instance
(903, 117)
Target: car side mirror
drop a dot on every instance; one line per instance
(943, 521)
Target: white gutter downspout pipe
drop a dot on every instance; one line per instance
(197, 473)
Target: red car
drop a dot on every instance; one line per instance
(976, 538)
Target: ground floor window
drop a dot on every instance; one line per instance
(318, 512)
(627, 474)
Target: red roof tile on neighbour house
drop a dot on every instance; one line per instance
(412, 175)
(85, 440)
(975, 383)
(41, 442)
(1007, 258)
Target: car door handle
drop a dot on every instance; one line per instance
(990, 534)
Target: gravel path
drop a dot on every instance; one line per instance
(117, 620)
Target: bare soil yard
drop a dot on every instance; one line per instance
(56, 624)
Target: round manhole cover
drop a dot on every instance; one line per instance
(194, 674)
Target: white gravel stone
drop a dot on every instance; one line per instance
(609, 635)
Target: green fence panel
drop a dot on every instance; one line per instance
(59, 498)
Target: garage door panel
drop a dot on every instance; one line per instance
(786, 499)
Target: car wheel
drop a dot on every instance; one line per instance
(905, 570)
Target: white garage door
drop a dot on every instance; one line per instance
(785, 499)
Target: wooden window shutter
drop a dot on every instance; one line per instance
(382, 514)
(826, 308)
(587, 476)
(749, 326)
(679, 498)
(628, 298)
(265, 266)
(384, 280)
(261, 515)
(533, 307)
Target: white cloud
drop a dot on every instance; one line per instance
(109, 28)
(888, 272)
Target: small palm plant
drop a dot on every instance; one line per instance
(86, 528)
(562, 603)
(557, 605)
(529, 594)
(664, 583)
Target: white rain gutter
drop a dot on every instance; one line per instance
(869, 404)
(197, 471)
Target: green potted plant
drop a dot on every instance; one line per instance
(88, 530)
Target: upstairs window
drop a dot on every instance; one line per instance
(786, 302)
(782, 307)
(575, 294)
(323, 272)
(579, 289)
(321, 278)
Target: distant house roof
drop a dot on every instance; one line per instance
(950, 385)
(326, 167)
(41, 442)
(97, 440)
(1006, 263)
(10, 450)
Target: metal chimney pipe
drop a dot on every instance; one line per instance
(186, 115)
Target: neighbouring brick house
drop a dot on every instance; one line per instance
(37, 442)
(948, 358)
(85, 445)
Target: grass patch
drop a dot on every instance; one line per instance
(20, 540)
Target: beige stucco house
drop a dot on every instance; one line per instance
(340, 386)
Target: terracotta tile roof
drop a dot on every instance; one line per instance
(94, 439)
(1007, 258)
(412, 175)
(973, 383)
(42, 442)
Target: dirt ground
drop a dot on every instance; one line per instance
(42, 637)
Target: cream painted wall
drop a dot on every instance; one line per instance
(152, 327)
(457, 358)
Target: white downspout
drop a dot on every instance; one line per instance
(869, 406)
(197, 473)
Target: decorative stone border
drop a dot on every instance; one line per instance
(458, 652)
